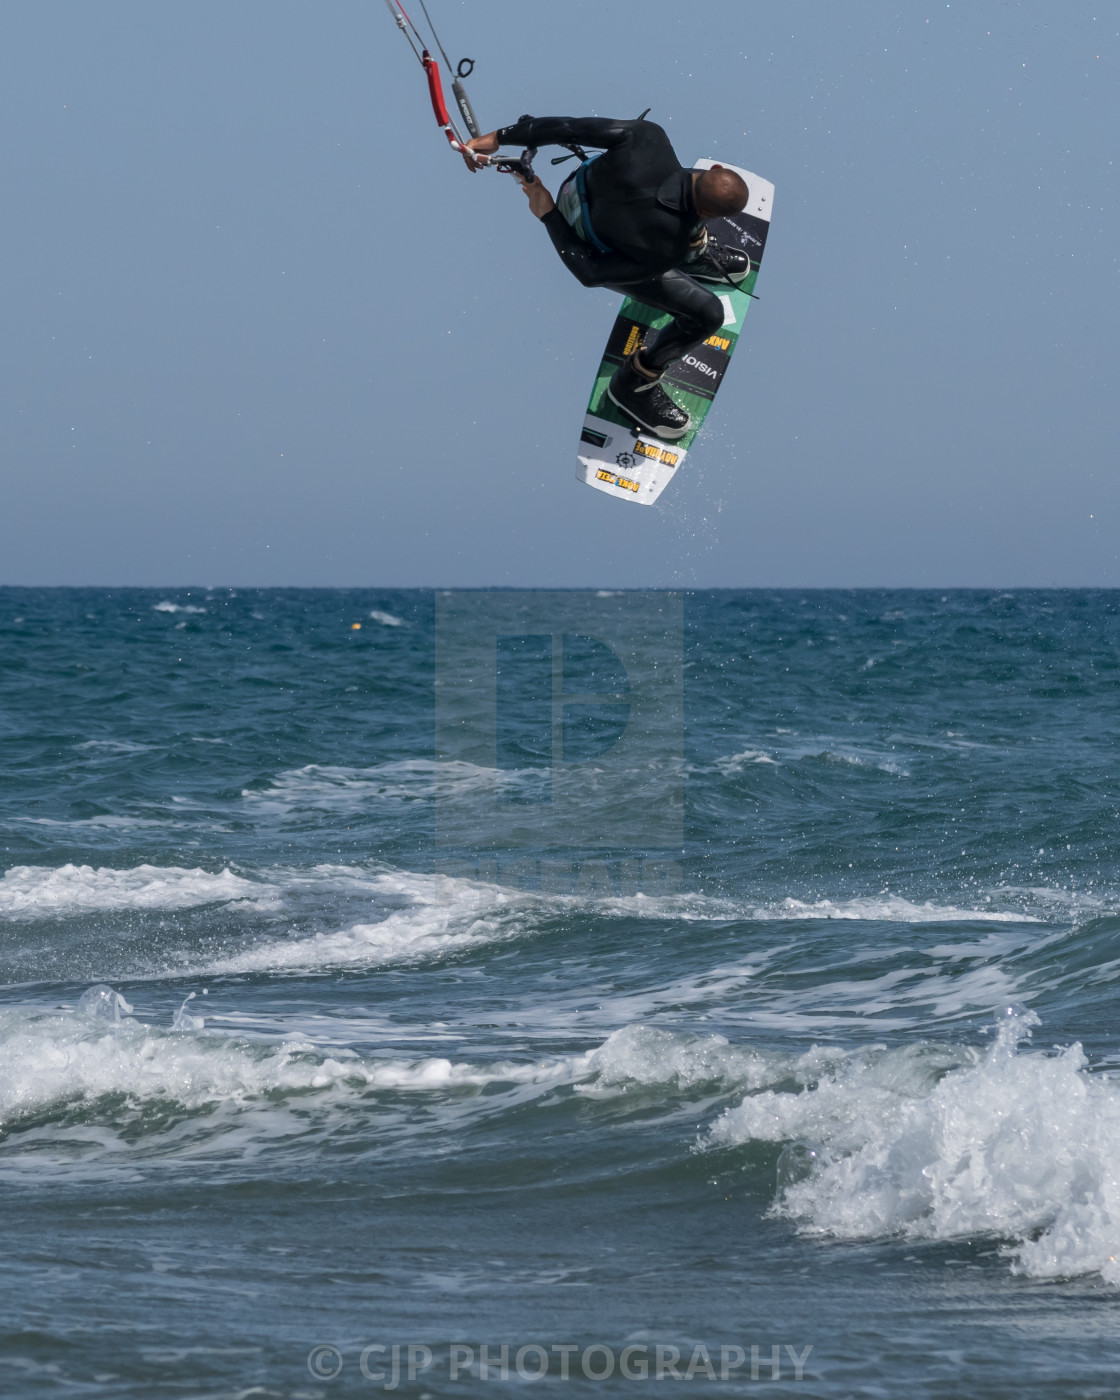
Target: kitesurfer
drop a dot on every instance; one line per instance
(631, 219)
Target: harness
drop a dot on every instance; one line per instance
(571, 200)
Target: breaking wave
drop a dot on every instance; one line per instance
(36, 892)
(939, 1143)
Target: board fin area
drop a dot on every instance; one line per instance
(615, 455)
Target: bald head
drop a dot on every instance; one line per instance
(719, 191)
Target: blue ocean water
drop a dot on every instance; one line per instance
(818, 1096)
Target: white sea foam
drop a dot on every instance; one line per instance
(399, 938)
(647, 1056)
(736, 762)
(114, 746)
(62, 1062)
(387, 619)
(596, 896)
(166, 607)
(1063, 903)
(857, 760)
(923, 1141)
(823, 748)
(424, 917)
(50, 1060)
(322, 787)
(827, 750)
(695, 907)
(890, 908)
(33, 891)
(420, 916)
(932, 1143)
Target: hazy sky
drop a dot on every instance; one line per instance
(259, 326)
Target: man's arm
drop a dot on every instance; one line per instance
(600, 132)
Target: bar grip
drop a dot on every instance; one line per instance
(465, 107)
(435, 89)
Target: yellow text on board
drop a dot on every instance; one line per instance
(612, 480)
(658, 454)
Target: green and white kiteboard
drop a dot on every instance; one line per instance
(615, 455)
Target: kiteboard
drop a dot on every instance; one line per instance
(615, 455)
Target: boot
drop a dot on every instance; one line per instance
(641, 397)
(716, 262)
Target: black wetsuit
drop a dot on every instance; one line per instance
(640, 204)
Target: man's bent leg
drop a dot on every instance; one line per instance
(635, 386)
(697, 313)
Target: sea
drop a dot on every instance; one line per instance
(465, 993)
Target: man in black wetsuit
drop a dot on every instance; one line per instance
(631, 219)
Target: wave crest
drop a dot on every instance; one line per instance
(933, 1143)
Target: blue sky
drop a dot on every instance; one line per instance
(259, 327)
